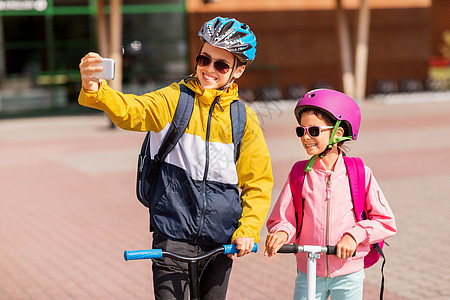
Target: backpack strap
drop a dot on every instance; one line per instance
(143, 157)
(179, 123)
(377, 247)
(296, 179)
(356, 175)
(238, 119)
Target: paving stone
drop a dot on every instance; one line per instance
(69, 209)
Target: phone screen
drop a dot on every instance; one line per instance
(108, 65)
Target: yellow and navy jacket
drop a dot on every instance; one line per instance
(199, 195)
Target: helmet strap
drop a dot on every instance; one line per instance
(330, 145)
(231, 79)
(199, 52)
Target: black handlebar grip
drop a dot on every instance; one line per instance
(332, 250)
(288, 248)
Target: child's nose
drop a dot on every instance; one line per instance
(210, 67)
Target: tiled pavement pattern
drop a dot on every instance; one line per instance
(68, 209)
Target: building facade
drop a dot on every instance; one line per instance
(298, 41)
(42, 41)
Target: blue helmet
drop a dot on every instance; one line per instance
(231, 35)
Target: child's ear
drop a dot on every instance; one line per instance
(238, 72)
(340, 132)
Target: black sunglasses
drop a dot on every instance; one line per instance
(220, 66)
(313, 131)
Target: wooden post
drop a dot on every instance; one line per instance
(102, 30)
(115, 47)
(348, 77)
(362, 50)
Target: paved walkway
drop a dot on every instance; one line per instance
(68, 209)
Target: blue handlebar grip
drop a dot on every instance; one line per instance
(230, 249)
(142, 254)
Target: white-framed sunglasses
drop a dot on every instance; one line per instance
(313, 131)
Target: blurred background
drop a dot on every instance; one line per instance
(67, 204)
(363, 48)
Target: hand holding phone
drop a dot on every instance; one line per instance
(108, 65)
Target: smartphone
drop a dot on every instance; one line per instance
(108, 65)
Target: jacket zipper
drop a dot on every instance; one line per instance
(328, 219)
(205, 175)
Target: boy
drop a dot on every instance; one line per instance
(202, 198)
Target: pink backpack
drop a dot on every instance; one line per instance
(356, 176)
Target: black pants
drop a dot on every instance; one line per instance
(169, 282)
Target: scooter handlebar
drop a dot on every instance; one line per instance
(289, 248)
(231, 249)
(331, 250)
(158, 253)
(142, 254)
(294, 248)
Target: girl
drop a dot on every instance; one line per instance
(327, 119)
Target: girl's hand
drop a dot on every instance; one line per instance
(244, 245)
(346, 247)
(274, 241)
(90, 83)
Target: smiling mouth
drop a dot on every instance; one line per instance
(208, 77)
(310, 145)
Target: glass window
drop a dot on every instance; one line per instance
(142, 2)
(70, 2)
(24, 44)
(27, 62)
(74, 37)
(24, 29)
(72, 27)
(155, 47)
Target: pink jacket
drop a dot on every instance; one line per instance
(328, 216)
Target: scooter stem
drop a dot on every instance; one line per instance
(311, 275)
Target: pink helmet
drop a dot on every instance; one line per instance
(339, 105)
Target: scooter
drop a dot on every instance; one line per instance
(193, 262)
(311, 267)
